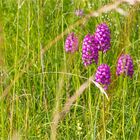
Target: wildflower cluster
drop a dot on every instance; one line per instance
(92, 44)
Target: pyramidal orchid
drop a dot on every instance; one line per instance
(71, 43)
(89, 50)
(102, 35)
(125, 65)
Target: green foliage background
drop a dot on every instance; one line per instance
(40, 84)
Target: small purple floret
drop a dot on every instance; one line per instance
(125, 65)
(103, 75)
(71, 44)
(89, 50)
(79, 12)
(102, 35)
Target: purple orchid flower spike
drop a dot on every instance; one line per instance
(89, 50)
(102, 35)
(103, 75)
(125, 65)
(71, 44)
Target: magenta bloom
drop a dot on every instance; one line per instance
(79, 13)
(71, 44)
(125, 65)
(102, 35)
(89, 50)
(103, 75)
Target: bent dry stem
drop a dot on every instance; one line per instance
(59, 115)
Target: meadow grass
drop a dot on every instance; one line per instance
(35, 84)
